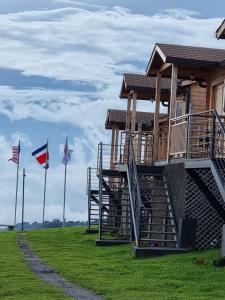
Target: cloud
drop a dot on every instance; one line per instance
(22, 137)
(93, 46)
(178, 13)
(73, 2)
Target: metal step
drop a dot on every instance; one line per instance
(158, 232)
(157, 209)
(158, 240)
(158, 224)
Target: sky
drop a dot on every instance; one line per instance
(61, 68)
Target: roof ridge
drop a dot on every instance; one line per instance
(189, 46)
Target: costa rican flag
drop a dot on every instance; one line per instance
(42, 155)
(15, 154)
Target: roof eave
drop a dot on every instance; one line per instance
(220, 32)
(192, 62)
(161, 54)
(122, 88)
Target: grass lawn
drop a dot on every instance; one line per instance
(113, 272)
(16, 280)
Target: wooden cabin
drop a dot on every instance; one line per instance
(175, 200)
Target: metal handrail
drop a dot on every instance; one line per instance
(100, 176)
(218, 145)
(134, 191)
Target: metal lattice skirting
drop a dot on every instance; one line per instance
(209, 223)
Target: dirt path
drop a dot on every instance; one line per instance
(49, 275)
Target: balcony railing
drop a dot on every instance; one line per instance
(194, 136)
(178, 136)
(114, 155)
(142, 147)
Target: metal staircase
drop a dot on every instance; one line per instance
(157, 226)
(154, 223)
(93, 200)
(114, 207)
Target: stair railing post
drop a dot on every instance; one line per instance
(187, 136)
(89, 196)
(100, 167)
(213, 154)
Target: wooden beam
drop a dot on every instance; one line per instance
(156, 115)
(128, 112)
(134, 107)
(112, 146)
(198, 74)
(211, 97)
(116, 144)
(164, 67)
(173, 94)
(139, 143)
(208, 94)
(173, 91)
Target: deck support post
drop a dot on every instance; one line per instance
(139, 146)
(112, 147)
(128, 112)
(134, 107)
(156, 115)
(116, 144)
(172, 106)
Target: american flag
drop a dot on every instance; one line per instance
(15, 154)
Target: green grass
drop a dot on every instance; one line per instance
(16, 280)
(113, 272)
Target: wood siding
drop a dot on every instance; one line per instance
(198, 98)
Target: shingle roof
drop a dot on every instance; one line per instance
(143, 85)
(220, 32)
(190, 53)
(208, 58)
(117, 117)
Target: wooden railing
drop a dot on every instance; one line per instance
(192, 136)
(142, 147)
(178, 136)
(204, 130)
(162, 143)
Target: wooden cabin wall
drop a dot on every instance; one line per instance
(217, 80)
(198, 98)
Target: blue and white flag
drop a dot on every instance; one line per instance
(67, 154)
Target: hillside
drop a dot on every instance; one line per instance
(113, 272)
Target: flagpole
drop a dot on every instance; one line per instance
(17, 181)
(45, 181)
(65, 177)
(24, 175)
(43, 216)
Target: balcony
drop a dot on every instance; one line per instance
(197, 136)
